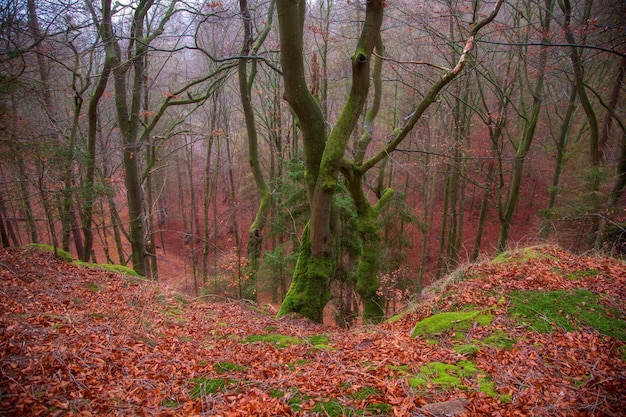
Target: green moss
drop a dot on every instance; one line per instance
(486, 385)
(402, 369)
(444, 375)
(278, 340)
(175, 312)
(364, 393)
(222, 367)
(368, 284)
(60, 253)
(467, 349)
(582, 274)
(332, 408)
(204, 386)
(379, 409)
(499, 340)
(309, 291)
(545, 310)
(293, 398)
(181, 299)
(169, 403)
(395, 318)
(319, 339)
(92, 286)
(275, 393)
(450, 321)
(448, 376)
(122, 269)
(522, 255)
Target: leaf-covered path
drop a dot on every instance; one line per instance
(78, 342)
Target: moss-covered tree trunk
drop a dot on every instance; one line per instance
(367, 283)
(310, 288)
(255, 233)
(127, 117)
(368, 226)
(325, 158)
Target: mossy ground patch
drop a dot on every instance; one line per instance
(523, 255)
(463, 375)
(205, 386)
(281, 341)
(543, 311)
(450, 321)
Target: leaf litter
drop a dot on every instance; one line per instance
(133, 347)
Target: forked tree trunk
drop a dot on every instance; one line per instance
(324, 159)
(310, 288)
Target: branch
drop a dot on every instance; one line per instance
(433, 93)
(557, 45)
(398, 61)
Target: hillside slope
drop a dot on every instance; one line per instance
(534, 332)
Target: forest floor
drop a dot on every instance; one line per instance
(537, 332)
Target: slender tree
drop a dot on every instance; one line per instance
(249, 49)
(530, 118)
(324, 158)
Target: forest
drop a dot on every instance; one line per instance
(330, 157)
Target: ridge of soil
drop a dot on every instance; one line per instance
(76, 341)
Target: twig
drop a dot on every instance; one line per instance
(398, 61)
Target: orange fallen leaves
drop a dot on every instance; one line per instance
(81, 342)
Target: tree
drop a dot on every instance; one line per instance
(147, 20)
(128, 114)
(255, 234)
(530, 116)
(324, 157)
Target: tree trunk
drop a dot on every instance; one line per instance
(4, 224)
(191, 203)
(255, 232)
(530, 125)
(325, 158)
(615, 194)
(309, 290)
(31, 224)
(613, 100)
(89, 189)
(559, 165)
(47, 209)
(482, 215)
(595, 172)
(127, 119)
(209, 191)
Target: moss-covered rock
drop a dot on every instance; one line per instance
(450, 321)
